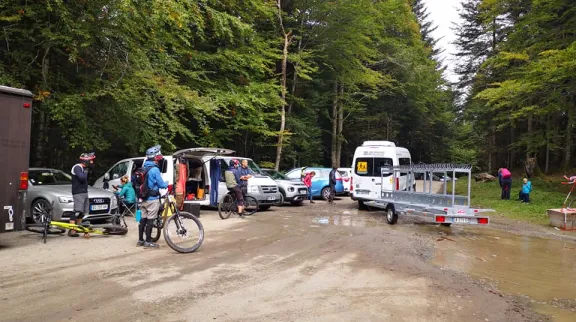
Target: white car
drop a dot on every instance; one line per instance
(346, 174)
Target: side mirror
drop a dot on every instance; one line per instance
(115, 176)
(107, 176)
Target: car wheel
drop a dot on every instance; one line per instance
(38, 206)
(325, 193)
(282, 198)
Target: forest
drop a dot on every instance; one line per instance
(294, 82)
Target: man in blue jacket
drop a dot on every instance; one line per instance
(80, 190)
(151, 204)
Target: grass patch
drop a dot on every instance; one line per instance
(547, 193)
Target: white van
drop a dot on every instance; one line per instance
(366, 182)
(261, 187)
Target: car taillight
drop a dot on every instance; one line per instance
(352, 184)
(397, 184)
(23, 181)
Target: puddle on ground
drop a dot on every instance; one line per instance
(348, 218)
(542, 269)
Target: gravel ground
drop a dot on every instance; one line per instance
(315, 262)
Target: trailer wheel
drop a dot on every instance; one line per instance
(446, 224)
(391, 215)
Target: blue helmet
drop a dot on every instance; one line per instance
(154, 153)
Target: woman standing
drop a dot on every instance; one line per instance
(505, 179)
(308, 183)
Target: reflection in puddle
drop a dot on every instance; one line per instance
(347, 219)
(543, 269)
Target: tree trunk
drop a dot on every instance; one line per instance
(40, 139)
(568, 139)
(287, 40)
(511, 155)
(339, 128)
(295, 74)
(334, 124)
(529, 147)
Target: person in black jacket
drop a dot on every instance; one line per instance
(80, 173)
(332, 183)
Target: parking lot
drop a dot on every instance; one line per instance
(308, 263)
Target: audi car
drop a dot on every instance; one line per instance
(51, 186)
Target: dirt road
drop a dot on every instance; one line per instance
(311, 263)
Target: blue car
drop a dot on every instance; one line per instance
(320, 182)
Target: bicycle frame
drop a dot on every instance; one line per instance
(78, 228)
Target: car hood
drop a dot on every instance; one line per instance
(66, 190)
(291, 182)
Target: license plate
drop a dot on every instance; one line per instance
(362, 192)
(461, 220)
(303, 191)
(99, 207)
(271, 198)
(9, 226)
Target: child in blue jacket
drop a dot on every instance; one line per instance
(525, 192)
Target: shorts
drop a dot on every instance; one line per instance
(81, 204)
(150, 209)
(237, 191)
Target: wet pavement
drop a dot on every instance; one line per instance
(312, 263)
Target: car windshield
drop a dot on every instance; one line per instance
(276, 175)
(49, 177)
(253, 166)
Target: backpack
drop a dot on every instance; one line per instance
(141, 177)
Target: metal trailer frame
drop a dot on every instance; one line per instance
(444, 208)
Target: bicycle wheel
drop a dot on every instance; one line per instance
(184, 232)
(157, 226)
(113, 230)
(226, 207)
(250, 205)
(39, 229)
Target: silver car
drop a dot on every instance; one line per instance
(293, 191)
(52, 185)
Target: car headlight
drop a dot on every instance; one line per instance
(66, 199)
(290, 189)
(253, 189)
(113, 203)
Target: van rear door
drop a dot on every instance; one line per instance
(367, 176)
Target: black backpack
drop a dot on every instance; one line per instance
(141, 177)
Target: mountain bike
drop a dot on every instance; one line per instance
(47, 226)
(174, 228)
(229, 205)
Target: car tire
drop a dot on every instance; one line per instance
(42, 204)
(282, 198)
(297, 203)
(264, 208)
(325, 193)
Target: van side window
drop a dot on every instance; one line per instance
(404, 161)
(119, 170)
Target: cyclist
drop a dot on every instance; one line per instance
(80, 173)
(151, 202)
(232, 176)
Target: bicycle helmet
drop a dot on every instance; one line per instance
(86, 158)
(234, 162)
(154, 153)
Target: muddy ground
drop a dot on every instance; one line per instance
(316, 262)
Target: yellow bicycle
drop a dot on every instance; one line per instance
(47, 226)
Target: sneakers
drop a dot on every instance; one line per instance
(140, 243)
(150, 245)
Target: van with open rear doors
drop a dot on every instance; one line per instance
(197, 163)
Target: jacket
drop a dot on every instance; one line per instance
(527, 187)
(332, 177)
(79, 179)
(244, 172)
(232, 177)
(308, 180)
(128, 193)
(155, 181)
